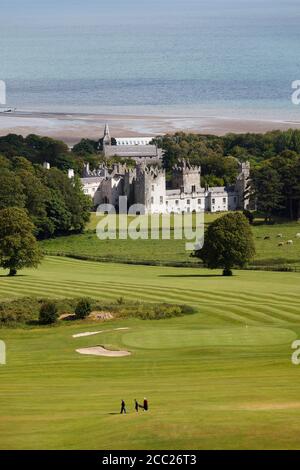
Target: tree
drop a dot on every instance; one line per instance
(73, 202)
(267, 190)
(36, 195)
(11, 190)
(18, 246)
(228, 243)
(83, 308)
(85, 147)
(48, 313)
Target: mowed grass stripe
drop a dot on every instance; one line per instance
(55, 293)
(222, 295)
(100, 267)
(228, 305)
(68, 291)
(256, 315)
(274, 311)
(233, 313)
(200, 296)
(227, 315)
(105, 289)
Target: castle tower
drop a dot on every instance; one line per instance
(186, 177)
(150, 188)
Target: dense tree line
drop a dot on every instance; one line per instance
(39, 149)
(207, 151)
(275, 186)
(54, 203)
(274, 158)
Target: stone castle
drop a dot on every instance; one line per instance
(146, 185)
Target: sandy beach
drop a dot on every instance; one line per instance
(73, 127)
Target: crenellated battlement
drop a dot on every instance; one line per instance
(185, 166)
(146, 185)
(186, 177)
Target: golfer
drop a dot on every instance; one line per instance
(123, 407)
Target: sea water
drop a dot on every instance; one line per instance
(231, 58)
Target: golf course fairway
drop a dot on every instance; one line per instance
(221, 378)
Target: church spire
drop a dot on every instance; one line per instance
(106, 136)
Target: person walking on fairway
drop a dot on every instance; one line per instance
(145, 404)
(123, 407)
(136, 405)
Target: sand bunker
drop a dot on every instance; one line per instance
(100, 351)
(88, 333)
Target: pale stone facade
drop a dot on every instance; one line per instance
(146, 185)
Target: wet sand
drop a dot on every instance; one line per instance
(73, 127)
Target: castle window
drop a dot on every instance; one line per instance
(167, 203)
(152, 187)
(199, 202)
(176, 202)
(188, 209)
(234, 199)
(188, 201)
(224, 200)
(152, 200)
(161, 200)
(213, 201)
(193, 189)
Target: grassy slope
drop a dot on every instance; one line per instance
(166, 251)
(221, 378)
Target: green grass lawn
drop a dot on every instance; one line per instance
(221, 378)
(173, 251)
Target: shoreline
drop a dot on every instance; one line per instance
(71, 127)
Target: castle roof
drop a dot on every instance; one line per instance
(127, 151)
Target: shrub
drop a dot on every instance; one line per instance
(83, 308)
(149, 311)
(48, 313)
